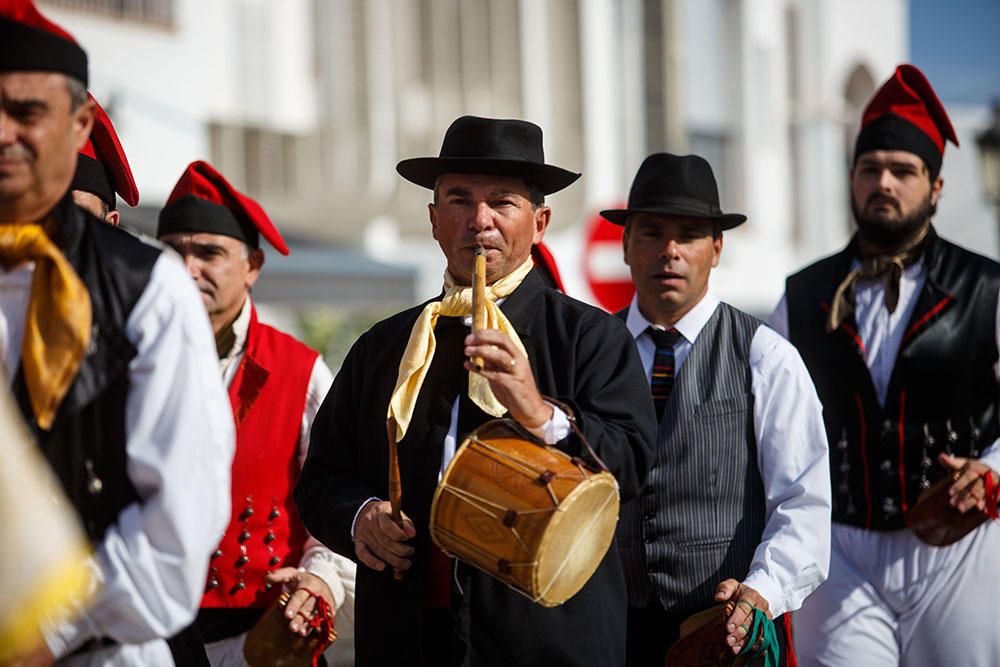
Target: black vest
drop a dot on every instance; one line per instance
(86, 445)
(701, 515)
(942, 395)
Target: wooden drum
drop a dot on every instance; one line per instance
(528, 514)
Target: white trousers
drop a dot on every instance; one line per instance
(892, 600)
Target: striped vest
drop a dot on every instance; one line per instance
(701, 515)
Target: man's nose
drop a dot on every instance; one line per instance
(7, 133)
(669, 249)
(885, 180)
(193, 265)
(482, 217)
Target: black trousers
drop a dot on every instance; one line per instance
(652, 631)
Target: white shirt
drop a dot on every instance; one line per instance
(338, 572)
(152, 562)
(882, 333)
(793, 557)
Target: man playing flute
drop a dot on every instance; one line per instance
(489, 183)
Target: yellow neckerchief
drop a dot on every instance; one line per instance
(457, 302)
(57, 324)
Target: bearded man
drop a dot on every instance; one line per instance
(899, 332)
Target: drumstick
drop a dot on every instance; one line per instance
(479, 299)
(395, 486)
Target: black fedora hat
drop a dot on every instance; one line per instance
(681, 185)
(494, 146)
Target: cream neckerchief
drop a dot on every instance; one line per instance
(457, 302)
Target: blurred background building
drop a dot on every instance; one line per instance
(309, 104)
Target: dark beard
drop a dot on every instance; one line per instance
(891, 234)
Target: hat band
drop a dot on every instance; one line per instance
(193, 215)
(894, 133)
(675, 204)
(29, 49)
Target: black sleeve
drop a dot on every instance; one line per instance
(612, 404)
(330, 488)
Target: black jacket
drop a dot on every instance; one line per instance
(579, 355)
(942, 395)
(87, 438)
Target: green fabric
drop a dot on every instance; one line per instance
(763, 627)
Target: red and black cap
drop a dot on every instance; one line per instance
(32, 43)
(546, 266)
(204, 201)
(906, 114)
(102, 168)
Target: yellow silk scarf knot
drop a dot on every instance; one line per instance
(457, 302)
(57, 324)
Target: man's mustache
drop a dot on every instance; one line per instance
(880, 198)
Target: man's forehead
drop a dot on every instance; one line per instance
(201, 239)
(482, 183)
(889, 157)
(25, 86)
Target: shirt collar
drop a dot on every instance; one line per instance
(689, 326)
(241, 327)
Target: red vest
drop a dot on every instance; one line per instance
(268, 395)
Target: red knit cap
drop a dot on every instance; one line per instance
(204, 201)
(31, 43)
(906, 114)
(545, 264)
(102, 168)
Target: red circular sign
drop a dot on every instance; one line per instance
(603, 265)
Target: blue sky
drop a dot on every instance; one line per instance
(957, 45)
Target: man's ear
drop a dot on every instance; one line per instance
(543, 216)
(255, 257)
(83, 123)
(432, 215)
(936, 188)
(113, 217)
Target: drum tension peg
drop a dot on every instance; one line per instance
(546, 477)
(503, 566)
(509, 518)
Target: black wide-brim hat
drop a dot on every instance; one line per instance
(493, 146)
(681, 185)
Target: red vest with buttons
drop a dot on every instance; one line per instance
(268, 395)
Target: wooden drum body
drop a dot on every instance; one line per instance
(527, 514)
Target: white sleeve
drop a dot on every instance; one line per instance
(180, 442)
(779, 318)
(338, 572)
(991, 455)
(793, 557)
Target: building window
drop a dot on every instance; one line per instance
(714, 147)
(149, 11)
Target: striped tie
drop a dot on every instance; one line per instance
(663, 367)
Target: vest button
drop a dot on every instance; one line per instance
(217, 554)
(887, 426)
(649, 540)
(241, 561)
(648, 516)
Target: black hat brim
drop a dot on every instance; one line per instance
(424, 171)
(727, 221)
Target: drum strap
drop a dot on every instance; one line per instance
(579, 432)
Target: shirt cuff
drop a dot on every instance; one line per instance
(556, 429)
(991, 457)
(766, 588)
(358, 513)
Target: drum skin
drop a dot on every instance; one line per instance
(525, 513)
